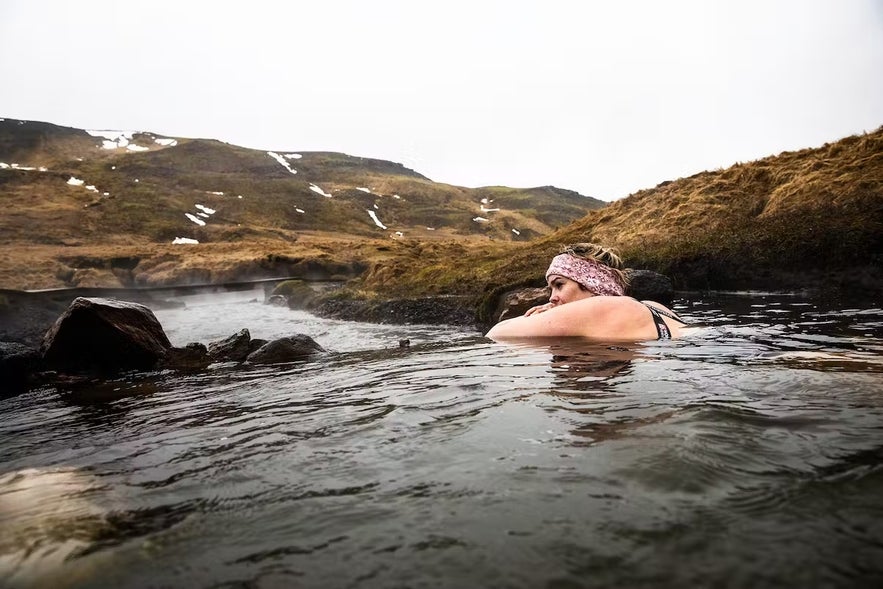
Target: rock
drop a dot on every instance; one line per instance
(429, 310)
(105, 335)
(277, 300)
(255, 344)
(438, 310)
(516, 302)
(235, 348)
(285, 349)
(297, 294)
(649, 285)
(18, 364)
(191, 358)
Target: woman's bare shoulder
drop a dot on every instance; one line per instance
(592, 317)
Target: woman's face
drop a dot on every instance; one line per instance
(565, 290)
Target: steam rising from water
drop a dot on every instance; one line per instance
(210, 317)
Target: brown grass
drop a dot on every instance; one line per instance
(783, 221)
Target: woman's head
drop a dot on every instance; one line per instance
(594, 269)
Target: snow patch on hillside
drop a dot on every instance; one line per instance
(195, 219)
(377, 222)
(112, 139)
(281, 161)
(5, 166)
(318, 190)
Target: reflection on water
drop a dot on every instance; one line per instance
(747, 454)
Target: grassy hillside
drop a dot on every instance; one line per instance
(64, 188)
(32, 143)
(806, 219)
(813, 211)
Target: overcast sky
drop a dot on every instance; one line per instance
(602, 97)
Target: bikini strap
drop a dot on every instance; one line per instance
(662, 330)
(671, 315)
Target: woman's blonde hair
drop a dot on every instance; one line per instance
(600, 254)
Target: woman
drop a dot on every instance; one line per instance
(587, 300)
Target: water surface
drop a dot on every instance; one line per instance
(748, 454)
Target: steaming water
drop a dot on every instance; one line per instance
(748, 454)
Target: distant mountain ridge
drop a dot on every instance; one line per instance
(63, 185)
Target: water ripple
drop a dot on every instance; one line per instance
(746, 453)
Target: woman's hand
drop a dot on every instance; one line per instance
(538, 309)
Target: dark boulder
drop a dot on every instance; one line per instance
(649, 285)
(18, 364)
(286, 349)
(255, 344)
(191, 358)
(106, 336)
(235, 348)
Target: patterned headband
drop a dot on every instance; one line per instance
(596, 277)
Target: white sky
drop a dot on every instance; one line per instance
(602, 97)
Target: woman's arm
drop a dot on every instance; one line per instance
(538, 309)
(602, 317)
(561, 321)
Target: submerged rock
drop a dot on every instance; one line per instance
(286, 349)
(235, 348)
(105, 335)
(191, 358)
(99, 337)
(255, 344)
